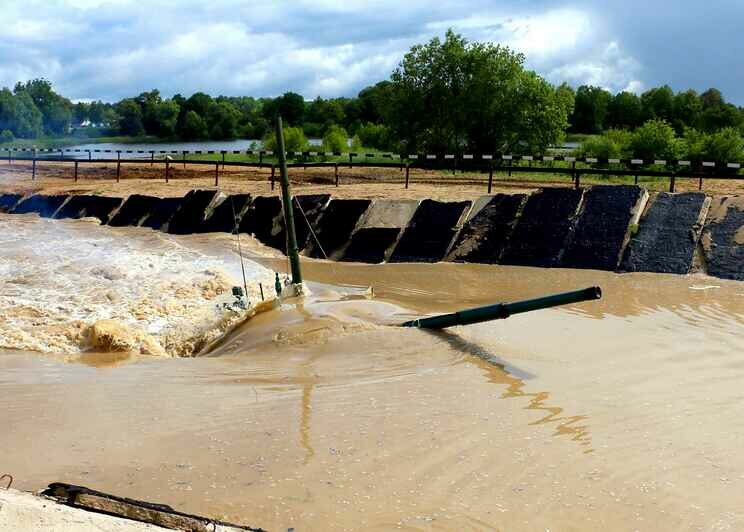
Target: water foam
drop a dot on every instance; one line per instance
(71, 286)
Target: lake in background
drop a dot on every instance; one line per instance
(204, 146)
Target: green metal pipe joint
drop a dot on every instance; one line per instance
(501, 311)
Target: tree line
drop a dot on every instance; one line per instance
(33, 109)
(597, 110)
(447, 95)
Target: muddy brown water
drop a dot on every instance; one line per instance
(622, 414)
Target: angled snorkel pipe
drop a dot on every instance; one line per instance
(501, 311)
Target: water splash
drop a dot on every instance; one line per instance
(71, 286)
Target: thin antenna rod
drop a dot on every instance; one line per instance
(240, 250)
(310, 227)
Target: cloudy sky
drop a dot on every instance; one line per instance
(109, 49)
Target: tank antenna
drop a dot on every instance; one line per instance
(293, 251)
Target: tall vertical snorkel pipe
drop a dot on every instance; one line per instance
(293, 251)
(501, 311)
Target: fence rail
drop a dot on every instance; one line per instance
(485, 163)
(632, 162)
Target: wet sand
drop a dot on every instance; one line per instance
(622, 414)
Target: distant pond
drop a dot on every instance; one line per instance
(210, 145)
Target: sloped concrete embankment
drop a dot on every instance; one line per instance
(84, 206)
(145, 211)
(43, 205)
(542, 228)
(263, 218)
(602, 227)
(225, 217)
(334, 227)
(431, 231)
(668, 234)
(488, 228)
(723, 238)
(378, 230)
(601, 230)
(8, 201)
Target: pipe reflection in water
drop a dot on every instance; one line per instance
(497, 372)
(305, 412)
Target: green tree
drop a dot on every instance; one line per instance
(251, 123)
(715, 118)
(256, 129)
(291, 107)
(80, 113)
(325, 112)
(612, 144)
(8, 111)
(149, 102)
(166, 118)
(712, 98)
(590, 109)
(222, 121)
(194, 127)
(658, 103)
(56, 111)
(21, 115)
(544, 117)
(369, 105)
(103, 114)
(130, 118)
(725, 145)
(336, 139)
(6, 136)
(695, 144)
(451, 95)
(199, 103)
(686, 110)
(567, 96)
(624, 111)
(656, 139)
(294, 140)
(159, 116)
(716, 113)
(375, 136)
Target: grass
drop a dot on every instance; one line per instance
(501, 174)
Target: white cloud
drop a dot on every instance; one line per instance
(550, 34)
(634, 86)
(563, 44)
(609, 68)
(114, 48)
(540, 36)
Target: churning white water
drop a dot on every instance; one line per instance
(70, 286)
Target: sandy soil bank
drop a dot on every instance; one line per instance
(100, 178)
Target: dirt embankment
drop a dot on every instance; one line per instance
(100, 178)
